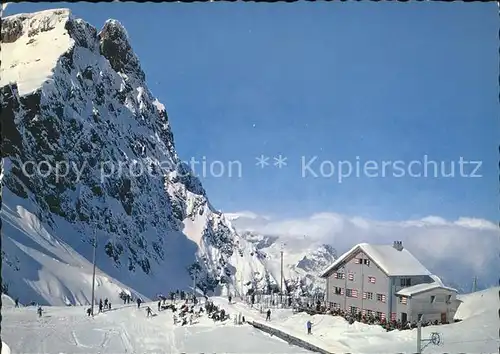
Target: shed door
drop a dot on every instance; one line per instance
(443, 317)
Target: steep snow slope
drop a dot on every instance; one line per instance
(45, 269)
(89, 151)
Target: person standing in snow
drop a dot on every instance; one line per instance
(230, 298)
(39, 311)
(100, 305)
(138, 303)
(149, 312)
(268, 315)
(309, 327)
(16, 302)
(159, 306)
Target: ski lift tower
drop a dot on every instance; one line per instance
(281, 280)
(94, 245)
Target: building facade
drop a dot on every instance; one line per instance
(429, 302)
(371, 279)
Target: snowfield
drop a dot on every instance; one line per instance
(126, 329)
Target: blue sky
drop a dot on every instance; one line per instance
(382, 81)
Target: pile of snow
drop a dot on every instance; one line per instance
(5, 348)
(7, 301)
(479, 304)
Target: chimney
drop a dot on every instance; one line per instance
(398, 245)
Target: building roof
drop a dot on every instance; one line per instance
(420, 288)
(390, 260)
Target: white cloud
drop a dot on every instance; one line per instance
(457, 250)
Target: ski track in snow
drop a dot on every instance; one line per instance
(126, 329)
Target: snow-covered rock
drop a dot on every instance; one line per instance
(303, 260)
(89, 151)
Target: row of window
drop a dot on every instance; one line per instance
(364, 261)
(355, 310)
(354, 293)
(350, 276)
(440, 298)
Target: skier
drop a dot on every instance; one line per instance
(39, 311)
(230, 298)
(148, 311)
(268, 315)
(309, 326)
(106, 303)
(89, 311)
(138, 303)
(100, 305)
(159, 306)
(17, 302)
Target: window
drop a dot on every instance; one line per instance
(366, 261)
(381, 297)
(354, 310)
(350, 276)
(371, 280)
(334, 305)
(405, 281)
(338, 291)
(351, 293)
(339, 275)
(433, 299)
(393, 316)
(448, 299)
(403, 300)
(368, 295)
(380, 315)
(357, 260)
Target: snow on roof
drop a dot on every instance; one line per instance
(420, 288)
(390, 260)
(30, 59)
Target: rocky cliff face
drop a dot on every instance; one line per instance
(88, 150)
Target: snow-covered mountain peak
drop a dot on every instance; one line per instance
(115, 46)
(76, 100)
